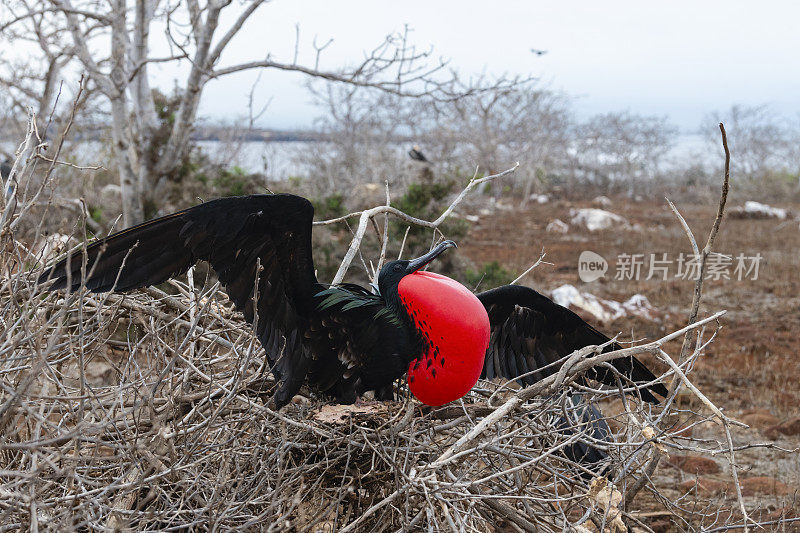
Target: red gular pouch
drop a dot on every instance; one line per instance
(455, 329)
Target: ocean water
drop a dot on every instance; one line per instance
(280, 160)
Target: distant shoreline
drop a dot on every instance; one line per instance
(97, 132)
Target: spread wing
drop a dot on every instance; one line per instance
(529, 332)
(236, 236)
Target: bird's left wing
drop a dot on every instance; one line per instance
(248, 238)
(529, 332)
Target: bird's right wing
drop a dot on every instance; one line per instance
(530, 332)
(248, 238)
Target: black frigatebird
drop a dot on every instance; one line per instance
(416, 154)
(344, 340)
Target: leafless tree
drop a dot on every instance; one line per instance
(527, 123)
(115, 43)
(363, 132)
(762, 143)
(369, 133)
(622, 148)
(33, 82)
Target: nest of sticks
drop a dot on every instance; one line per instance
(147, 411)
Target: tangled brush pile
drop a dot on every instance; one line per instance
(146, 411)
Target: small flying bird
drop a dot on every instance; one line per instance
(416, 154)
(345, 340)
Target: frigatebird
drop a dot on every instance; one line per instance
(416, 154)
(345, 340)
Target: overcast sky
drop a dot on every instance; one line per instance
(679, 59)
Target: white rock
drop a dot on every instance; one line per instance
(565, 295)
(601, 201)
(601, 309)
(539, 198)
(763, 210)
(639, 305)
(597, 219)
(557, 226)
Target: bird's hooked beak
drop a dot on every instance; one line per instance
(419, 262)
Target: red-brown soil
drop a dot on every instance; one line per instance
(751, 369)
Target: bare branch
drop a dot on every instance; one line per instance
(365, 216)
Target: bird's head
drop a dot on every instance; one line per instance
(394, 271)
(452, 324)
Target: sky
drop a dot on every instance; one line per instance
(676, 59)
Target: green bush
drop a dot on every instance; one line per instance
(331, 206)
(233, 182)
(421, 197)
(490, 276)
(427, 201)
(96, 213)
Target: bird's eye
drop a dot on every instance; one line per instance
(398, 268)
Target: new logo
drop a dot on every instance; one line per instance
(591, 266)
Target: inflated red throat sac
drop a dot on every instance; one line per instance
(455, 327)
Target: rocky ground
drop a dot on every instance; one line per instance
(751, 370)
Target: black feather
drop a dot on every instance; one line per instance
(259, 246)
(520, 318)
